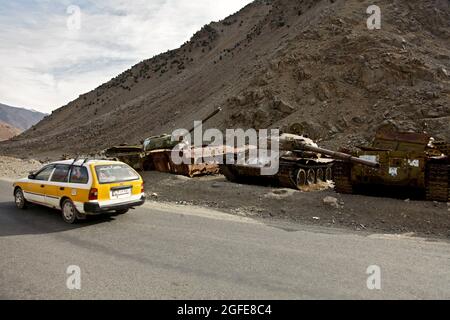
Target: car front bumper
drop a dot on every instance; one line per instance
(91, 208)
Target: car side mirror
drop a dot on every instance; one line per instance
(31, 176)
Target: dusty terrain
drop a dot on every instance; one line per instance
(7, 131)
(274, 63)
(13, 168)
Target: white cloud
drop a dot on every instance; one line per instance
(45, 65)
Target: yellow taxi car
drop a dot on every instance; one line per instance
(82, 187)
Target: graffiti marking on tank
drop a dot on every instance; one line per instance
(393, 171)
(414, 163)
(369, 158)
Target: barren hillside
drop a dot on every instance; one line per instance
(272, 64)
(7, 131)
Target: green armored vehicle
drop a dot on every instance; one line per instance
(134, 156)
(154, 154)
(406, 160)
(140, 157)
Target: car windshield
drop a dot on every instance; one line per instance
(115, 173)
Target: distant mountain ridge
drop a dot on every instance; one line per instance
(7, 131)
(19, 118)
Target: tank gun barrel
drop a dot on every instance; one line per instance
(338, 155)
(212, 114)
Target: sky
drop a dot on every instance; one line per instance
(52, 51)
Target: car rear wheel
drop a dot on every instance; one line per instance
(19, 199)
(69, 212)
(122, 211)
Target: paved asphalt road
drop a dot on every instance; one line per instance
(172, 252)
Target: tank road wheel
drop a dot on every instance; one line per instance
(342, 177)
(311, 178)
(437, 185)
(320, 177)
(287, 175)
(301, 178)
(329, 174)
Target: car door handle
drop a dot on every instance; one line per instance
(42, 186)
(62, 188)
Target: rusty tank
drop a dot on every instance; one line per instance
(302, 165)
(154, 153)
(407, 161)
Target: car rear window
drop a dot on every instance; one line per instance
(115, 173)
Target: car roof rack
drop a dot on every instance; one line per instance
(74, 161)
(89, 158)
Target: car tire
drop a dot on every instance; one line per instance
(69, 211)
(19, 199)
(122, 211)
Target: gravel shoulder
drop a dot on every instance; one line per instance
(14, 168)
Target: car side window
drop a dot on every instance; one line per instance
(61, 173)
(79, 175)
(44, 174)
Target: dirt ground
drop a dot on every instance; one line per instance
(356, 212)
(13, 168)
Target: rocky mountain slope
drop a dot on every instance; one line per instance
(274, 63)
(19, 118)
(7, 131)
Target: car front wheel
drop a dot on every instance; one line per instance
(69, 212)
(19, 199)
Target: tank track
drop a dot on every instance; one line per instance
(444, 147)
(291, 175)
(297, 176)
(438, 182)
(229, 173)
(342, 177)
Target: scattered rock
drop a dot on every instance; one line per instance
(280, 193)
(283, 106)
(332, 201)
(12, 168)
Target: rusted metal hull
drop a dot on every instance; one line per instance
(197, 161)
(162, 162)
